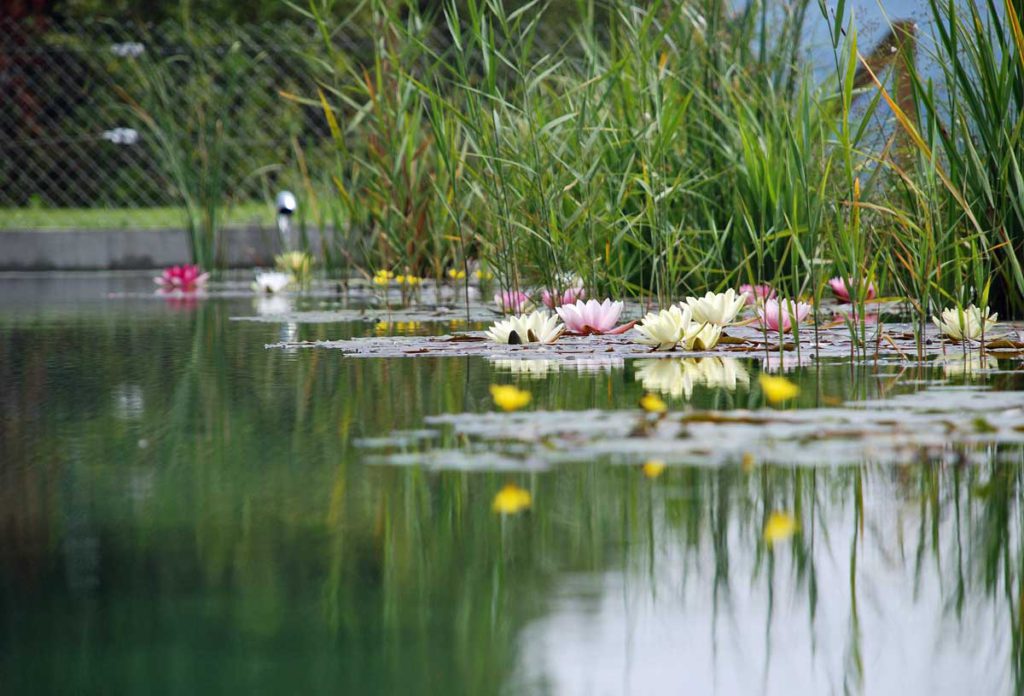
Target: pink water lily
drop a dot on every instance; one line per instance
(778, 315)
(568, 297)
(184, 278)
(841, 292)
(592, 317)
(757, 293)
(513, 301)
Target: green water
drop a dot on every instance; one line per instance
(185, 511)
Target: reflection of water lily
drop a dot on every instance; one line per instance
(184, 278)
(664, 329)
(779, 315)
(542, 368)
(965, 364)
(528, 368)
(716, 308)
(568, 296)
(841, 292)
(591, 317)
(677, 378)
(970, 323)
(513, 301)
(270, 305)
(511, 500)
(271, 282)
(536, 327)
(757, 294)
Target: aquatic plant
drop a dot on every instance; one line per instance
(777, 389)
(717, 308)
(701, 336)
(841, 292)
(508, 397)
(511, 500)
(781, 315)
(513, 301)
(183, 278)
(652, 403)
(383, 277)
(663, 330)
(779, 527)
(968, 323)
(591, 317)
(653, 468)
(756, 294)
(298, 264)
(571, 295)
(536, 327)
(270, 282)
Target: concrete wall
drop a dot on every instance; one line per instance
(37, 250)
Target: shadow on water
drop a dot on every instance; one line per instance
(182, 510)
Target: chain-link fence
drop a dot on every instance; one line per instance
(78, 98)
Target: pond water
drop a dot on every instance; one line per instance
(184, 510)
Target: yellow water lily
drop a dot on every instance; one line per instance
(382, 277)
(511, 499)
(408, 280)
(297, 263)
(483, 275)
(456, 274)
(652, 468)
(777, 389)
(780, 527)
(652, 403)
(508, 397)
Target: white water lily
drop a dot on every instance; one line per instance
(717, 308)
(271, 282)
(702, 336)
(971, 323)
(536, 327)
(664, 329)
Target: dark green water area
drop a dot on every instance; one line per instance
(191, 504)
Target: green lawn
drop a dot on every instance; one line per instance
(119, 218)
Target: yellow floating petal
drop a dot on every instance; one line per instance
(780, 527)
(511, 500)
(653, 467)
(777, 389)
(652, 403)
(508, 397)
